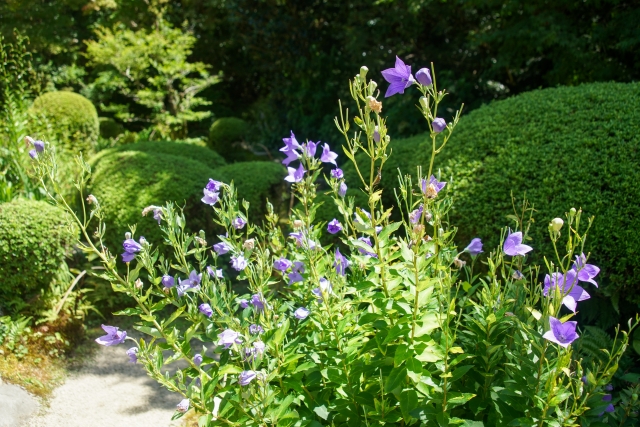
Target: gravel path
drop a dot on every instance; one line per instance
(109, 392)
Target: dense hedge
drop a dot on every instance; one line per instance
(228, 136)
(72, 118)
(256, 182)
(34, 240)
(109, 128)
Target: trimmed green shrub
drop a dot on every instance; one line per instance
(256, 182)
(35, 237)
(127, 181)
(109, 128)
(566, 147)
(72, 118)
(227, 136)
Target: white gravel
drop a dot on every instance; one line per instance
(107, 392)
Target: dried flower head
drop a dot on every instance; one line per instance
(374, 104)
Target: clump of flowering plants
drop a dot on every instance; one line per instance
(390, 326)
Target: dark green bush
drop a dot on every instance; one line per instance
(256, 182)
(72, 119)
(35, 237)
(564, 147)
(228, 136)
(109, 128)
(126, 181)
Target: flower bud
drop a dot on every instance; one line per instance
(363, 72)
(127, 235)
(249, 244)
(143, 241)
(297, 224)
(424, 102)
(138, 284)
(556, 224)
(634, 396)
(372, 86)
(423, 76)
(572, 211)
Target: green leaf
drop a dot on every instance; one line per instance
(386, 232)
(281, 332)
(131, 311)
(229, 369)
(174, 316)
(401, 354)
(321, 411)
(304, 367)
(395, 379)
(408, 402)
(414, 369)
(149, 331)
(456, 399)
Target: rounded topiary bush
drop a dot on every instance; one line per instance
(109, 128)
(256, 182)
(227, 136)
(566, 147)
(127, 181)
(72, 119)
(35, 237)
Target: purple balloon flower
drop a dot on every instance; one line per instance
(296, 273)
(290, 147)
(245, 377)
(183, 406)
(432, 187)
(131, 248)
(586, 272)
(258, 302)
(399, 78)
(133, 354)
(214, 273)
(228, 337)
(221, 248)
(255, 329)
(38, 145)
(568, 285)
(238, 263)
(310, 148)
(513, 245)
(610, 407)
(205, 309)
(439, 124)
(244, 303)
(238, 223)
(282, 264)
(342, 190)
(33, 154)
(259, 347)
(113, 337)
(475, 247)
(210, 197)
(328, 156)
(341, 263)
(363, 251)
(295, 175)
(197, 359)
(423, 76)
(561, 333)
(416, 214)
(334, 226)
(157, 215)
(213, 185)
(168, 281)
(193, 281)
(376, 135)
(337, 173)
(301, 313)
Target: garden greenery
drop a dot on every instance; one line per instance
(391, 326)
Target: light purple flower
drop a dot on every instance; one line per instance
(561, 333)
(221, 248)
(290, 147)
(513, 245)
(318, 293)
(325, 286)
(238, 223)
(341, 263)
(295, 175)
(334, 226)
(205, 309)
(33, 154)
(475, 247)
(568, 285)
(367, 241)
(38, 145)
(259, 347)
(399, 78)
(376, 135)
(282, 264)
(131, 248)
(213, 185)
(183, 286)
(423, 76)
(168, 281)
(328, 156)
(416, 214)
(258, 302)
(309, 148)
(157, 215)
(197, 359)
(210, 197)
(214, 273)
(439, 124)
(255, 329)
(133, 354)
(517, 275)
(245, 377)
(586, 272)
(238, 263)
(301, 313)
(193, 281)
(432, 187)
(337, 173)
(342, 190)
(244, 303)
(183, 406)
(113, 337)
(228, 337)
(296, 273)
